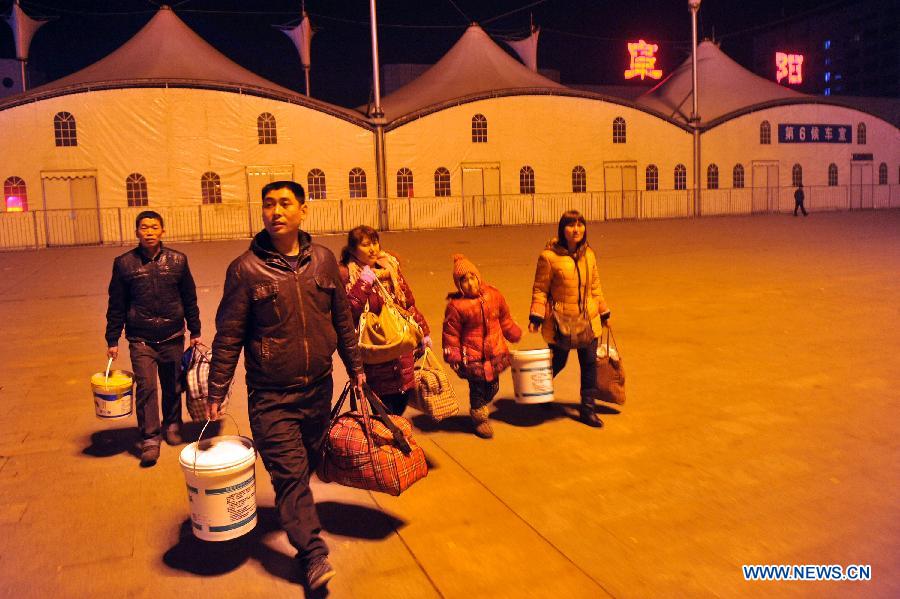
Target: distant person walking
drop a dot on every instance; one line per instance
(285, 306)
(568, 307)
(152, 294)
(799, 196)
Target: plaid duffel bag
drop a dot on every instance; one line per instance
(368, 449)
(434, 394)
(195, 381)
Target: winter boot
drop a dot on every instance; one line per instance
(480, 420)
(586, 413)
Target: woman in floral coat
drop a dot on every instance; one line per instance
(567, 292)
(362, 262)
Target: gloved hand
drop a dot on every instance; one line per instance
(368, 275)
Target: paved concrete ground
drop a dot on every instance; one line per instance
(760, 428)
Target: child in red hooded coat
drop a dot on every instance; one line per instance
(476, 322)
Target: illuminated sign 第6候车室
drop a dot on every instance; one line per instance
(793, 133)
(643, 60)
(789, 66)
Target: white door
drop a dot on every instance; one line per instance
(72, 215)
(765, 187)
(861, 192)
(620, 190)
(482, 201)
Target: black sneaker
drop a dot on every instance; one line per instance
(318, 572)
(149, 454)
(587, 416)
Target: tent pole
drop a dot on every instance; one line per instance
(24, 76)
(306, 73)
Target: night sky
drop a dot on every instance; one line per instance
(583, 39)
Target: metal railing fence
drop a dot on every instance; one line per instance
(115, 226)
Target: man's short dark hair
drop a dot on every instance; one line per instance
(295, 188)
(148, 214)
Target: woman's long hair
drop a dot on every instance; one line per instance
(355, 237)
(570, 217)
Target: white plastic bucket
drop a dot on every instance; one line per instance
(113, 395)
(532, 374)
(220, 474)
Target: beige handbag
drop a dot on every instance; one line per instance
(434, 394)
(388, 335)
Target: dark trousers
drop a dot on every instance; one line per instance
(799, 206)
(289, 429)
(587, 360)
(481, 393)
(396, 402)
(148, 360)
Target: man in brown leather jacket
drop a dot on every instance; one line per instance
(285, 306)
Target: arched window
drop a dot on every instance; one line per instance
(680, 176)
(479, 129)
(266, 129)
(737, 176)
(526, 180)
(882, 173)
(358, 183)
(579, 180)
(832, 175)
(315, 185)
(15, 195)
(618, 130)
(64, 129)
(211, 188)
(765, 133)
(651, 177)
(441, 182)
(861, 134)
(796, 175)
(404, 183)
(136, 190)
(712, 177)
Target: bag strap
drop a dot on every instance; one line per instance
(381, 413)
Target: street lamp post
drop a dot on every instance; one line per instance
(694, 5)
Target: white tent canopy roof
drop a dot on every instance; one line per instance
(166, 49)
(725, 87)
(474, 65)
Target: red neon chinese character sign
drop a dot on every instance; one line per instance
(789, 66)
(643, 60)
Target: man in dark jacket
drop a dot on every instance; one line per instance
(285, 306)
(152, 294)
(799, 197)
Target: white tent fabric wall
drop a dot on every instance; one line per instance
(552, 134)
(172, 137)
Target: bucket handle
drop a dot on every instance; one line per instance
(203, 430)
(106, 377)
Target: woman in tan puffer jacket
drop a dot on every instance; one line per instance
(567, 290)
